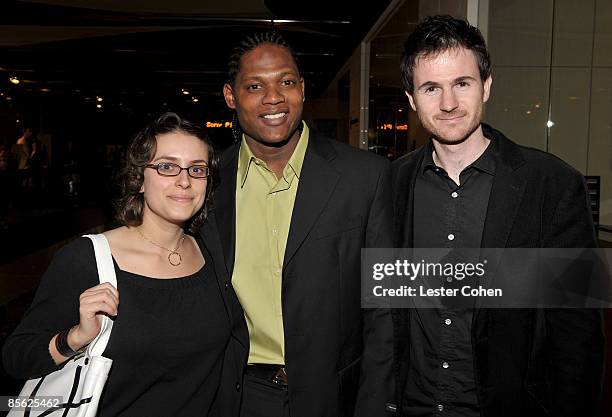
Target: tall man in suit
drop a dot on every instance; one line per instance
(471, 187)
(294, 210)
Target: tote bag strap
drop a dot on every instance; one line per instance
(106, 273)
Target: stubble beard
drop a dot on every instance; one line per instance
(439, 136)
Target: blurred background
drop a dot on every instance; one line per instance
(78, 78)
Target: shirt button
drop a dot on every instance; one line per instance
(274, 231)
(445, 365)
(226, 285)
(237, 386)
(454, 194)
(451, 237)
(440, 407)
(448, 322)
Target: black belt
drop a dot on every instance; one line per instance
(273, 373)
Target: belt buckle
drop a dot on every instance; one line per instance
(280, 378)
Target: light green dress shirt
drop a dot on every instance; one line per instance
(264, 204)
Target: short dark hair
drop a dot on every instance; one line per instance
(140, 151)
(438, 34)
(251, 42)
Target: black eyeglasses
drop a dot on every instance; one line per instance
(168, 169)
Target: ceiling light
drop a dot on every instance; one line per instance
(100, 99)
(194, 99)
(99, 106)
(14, 80)
(186, 92)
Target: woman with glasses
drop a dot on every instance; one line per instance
(172, 315)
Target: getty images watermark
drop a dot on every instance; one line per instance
(411, 271)
(489, 278)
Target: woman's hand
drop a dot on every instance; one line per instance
(98, 300)
(93, 303)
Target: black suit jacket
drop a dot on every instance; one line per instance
(227, 402)
(338, 356)
(528, 362)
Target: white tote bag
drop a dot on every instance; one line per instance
(75, 388)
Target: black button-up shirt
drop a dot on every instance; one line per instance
(446, 215)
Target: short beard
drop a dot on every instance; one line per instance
(477, 118)
(458, 141)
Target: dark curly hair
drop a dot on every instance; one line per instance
(438, 34)
(140, 151)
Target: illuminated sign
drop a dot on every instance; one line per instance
(389, 126)
(226, 125)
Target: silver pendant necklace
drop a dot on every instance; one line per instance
(174, 258)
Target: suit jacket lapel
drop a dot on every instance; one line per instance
(504, 201)
(225, 205)
(210, 242)
(404, 200)
(506, 192)
(318, 179)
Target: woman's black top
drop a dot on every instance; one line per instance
(167, 342)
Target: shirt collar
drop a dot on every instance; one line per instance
(485, 162)
(428, 162)
(293, 167)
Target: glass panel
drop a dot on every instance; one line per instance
(518, 105)
(570, 96)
